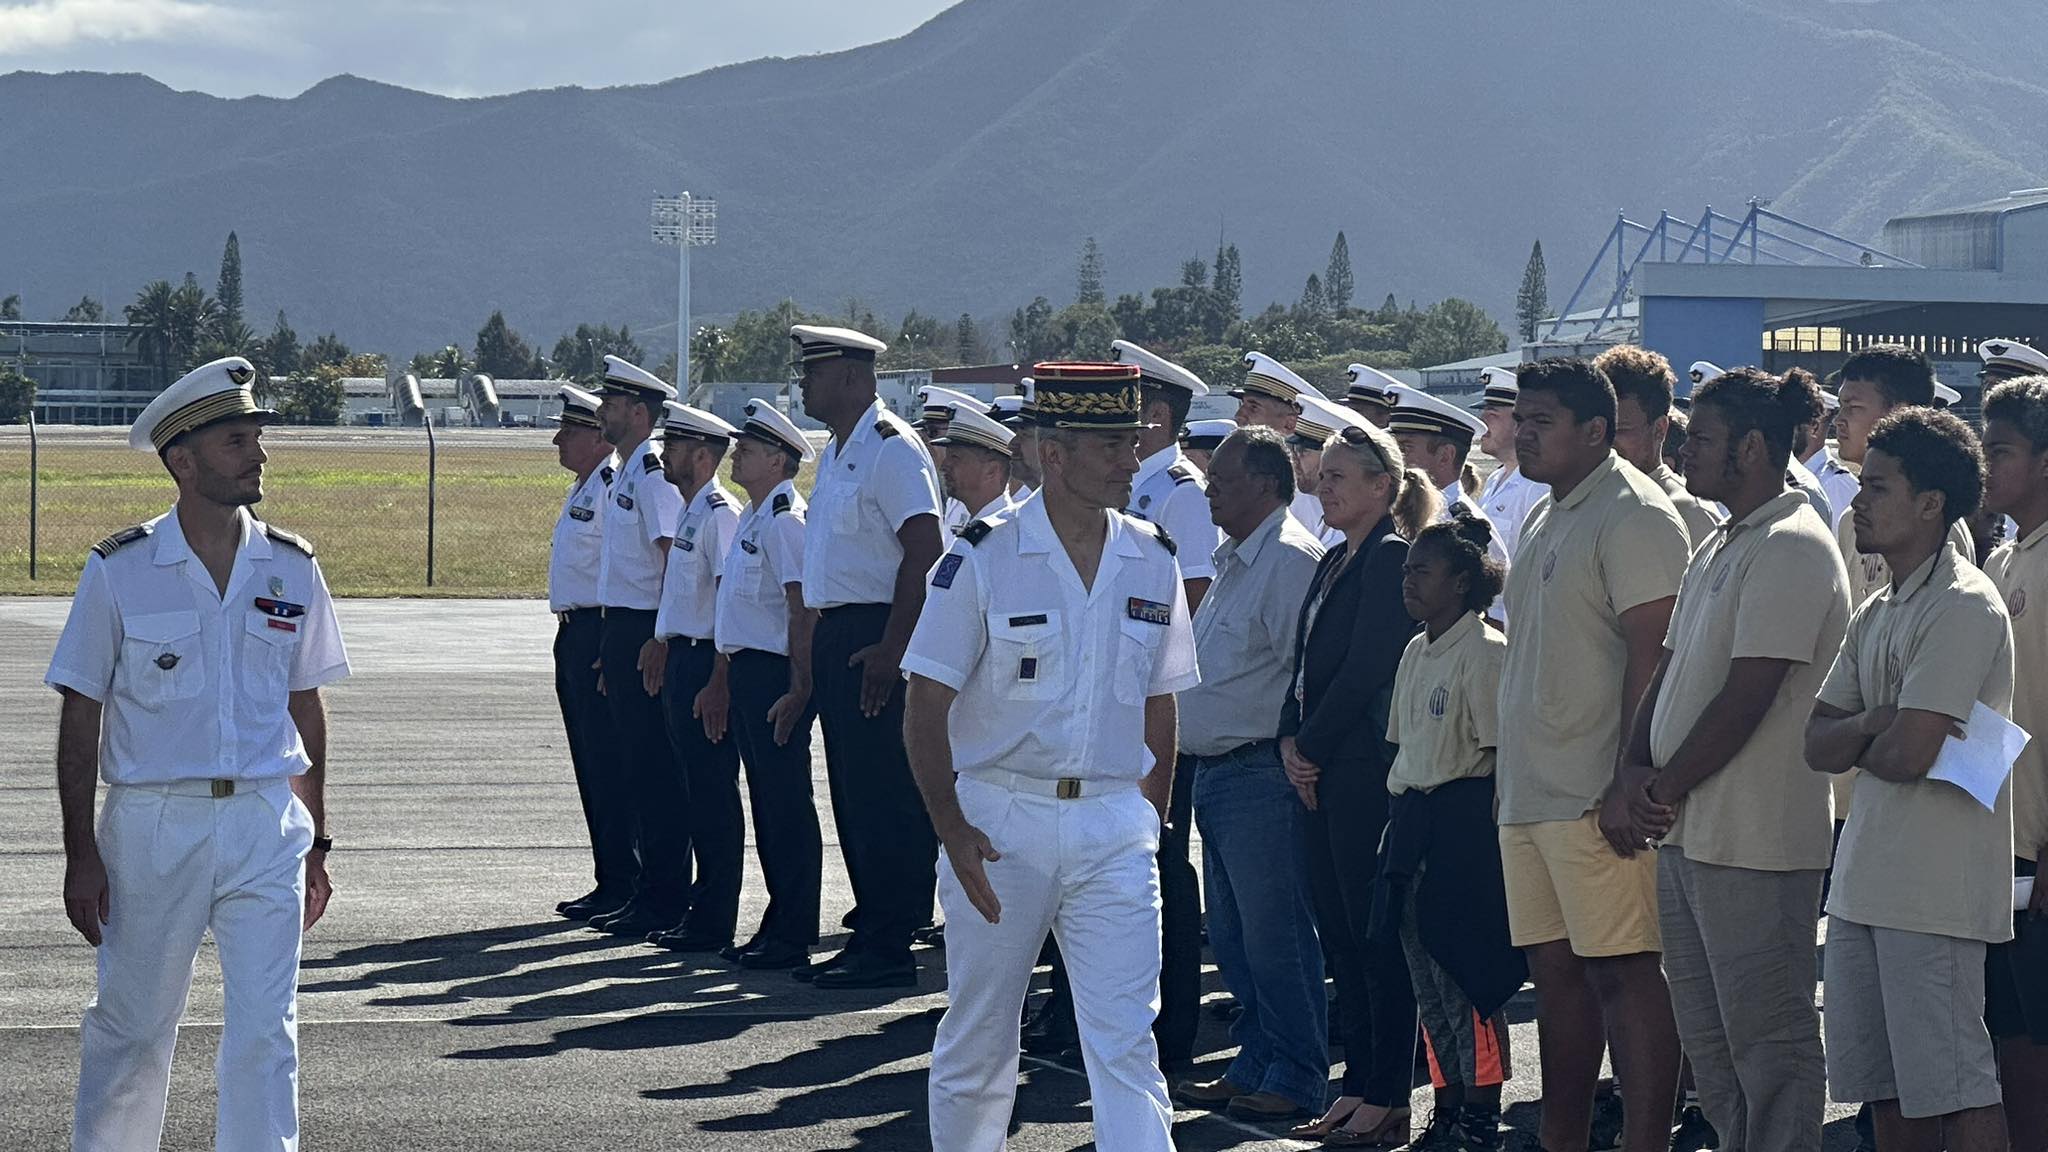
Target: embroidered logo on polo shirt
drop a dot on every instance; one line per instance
(2017, 606)
(1439, 700)
(1549, 565)
(1721, 578)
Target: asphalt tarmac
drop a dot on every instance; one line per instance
(443, 1004)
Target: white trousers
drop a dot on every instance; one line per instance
(178, 863)
(1085, 869)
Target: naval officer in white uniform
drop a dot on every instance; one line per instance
(976, 465)
(191, 667)
(1043, 671)
(1168, 489)
(764, 632)
(940, 405)
(638, 526)
(574, 556)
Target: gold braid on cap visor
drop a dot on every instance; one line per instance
(1260, 382)
(204, 410)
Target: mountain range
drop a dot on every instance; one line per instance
(959, 167)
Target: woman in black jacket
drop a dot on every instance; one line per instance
(1333, 730)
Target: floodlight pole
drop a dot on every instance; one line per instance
(687, 222)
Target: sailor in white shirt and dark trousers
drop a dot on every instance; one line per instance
(871, 539)
(639, 522)
(764, 631)
(190, 667)
(574, 557)
(690, 675)
(1043, 671)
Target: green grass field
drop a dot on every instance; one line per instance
(360, 497)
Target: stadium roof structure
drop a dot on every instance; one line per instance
(1711, 288)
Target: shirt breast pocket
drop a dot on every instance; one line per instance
(267, 652)
(162, 661)
(1024, 655)
(1137, 652)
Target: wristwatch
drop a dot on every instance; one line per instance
(323, 843)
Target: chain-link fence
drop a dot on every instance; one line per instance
(365, 497)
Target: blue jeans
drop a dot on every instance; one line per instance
(1262, 924)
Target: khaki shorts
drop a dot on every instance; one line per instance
(1564, 882)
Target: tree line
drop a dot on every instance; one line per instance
(1199, 321)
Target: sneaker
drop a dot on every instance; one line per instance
(1440, 1135)
(1477, 1129)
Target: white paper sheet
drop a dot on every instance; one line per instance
(1983, 758)
(2022, 892)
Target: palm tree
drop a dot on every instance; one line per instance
(154, 314)
(198, 317)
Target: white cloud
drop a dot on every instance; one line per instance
(55, 25)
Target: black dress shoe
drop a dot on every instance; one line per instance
(771, 954)
(590, 907)
(869, 971)
(1051, 1030)
(586, 898)
(809, 972)
(731, 953)
(687, 939)
(637, 919)
(933, 935)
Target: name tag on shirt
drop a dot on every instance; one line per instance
(1027, 621)
(749, 547)
(282, 625)
(1150, 611)
(283, 609)
(582, 513)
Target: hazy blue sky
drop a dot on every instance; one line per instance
(457, 47)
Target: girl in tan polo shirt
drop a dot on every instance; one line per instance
(1440, 874)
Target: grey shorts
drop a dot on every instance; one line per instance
(1905, 1020)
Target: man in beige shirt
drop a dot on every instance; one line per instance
(1590, 596)
(1261, 921)
(1875, 382)
(1643, 382)
(2016, 997)
(1745, 827)
(1923, 873)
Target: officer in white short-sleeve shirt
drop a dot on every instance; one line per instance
(574, 557)
(872, 536)
(705, 796)
(1043, 671)
(190, 668)
(940, 407)
(764, 631)
(1168, 489)
(638, 525)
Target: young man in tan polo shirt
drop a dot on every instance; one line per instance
(1923, 874)
(1590, 596)
(2015, 993)
(1643, 383)
(1745, 827)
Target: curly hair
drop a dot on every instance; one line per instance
(1902, 375)
(2023, 403)
(1640, 373)
(1938, 453)
(1752, 400)
(1463, 541)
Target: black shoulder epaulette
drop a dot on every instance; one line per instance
(1165, 541)
(977, 530)
(884, 429)
(651, 462)
(605, 473)
(288, 539)
(1182, 474)
(107, 547)
(780, 504)
(717, 500)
